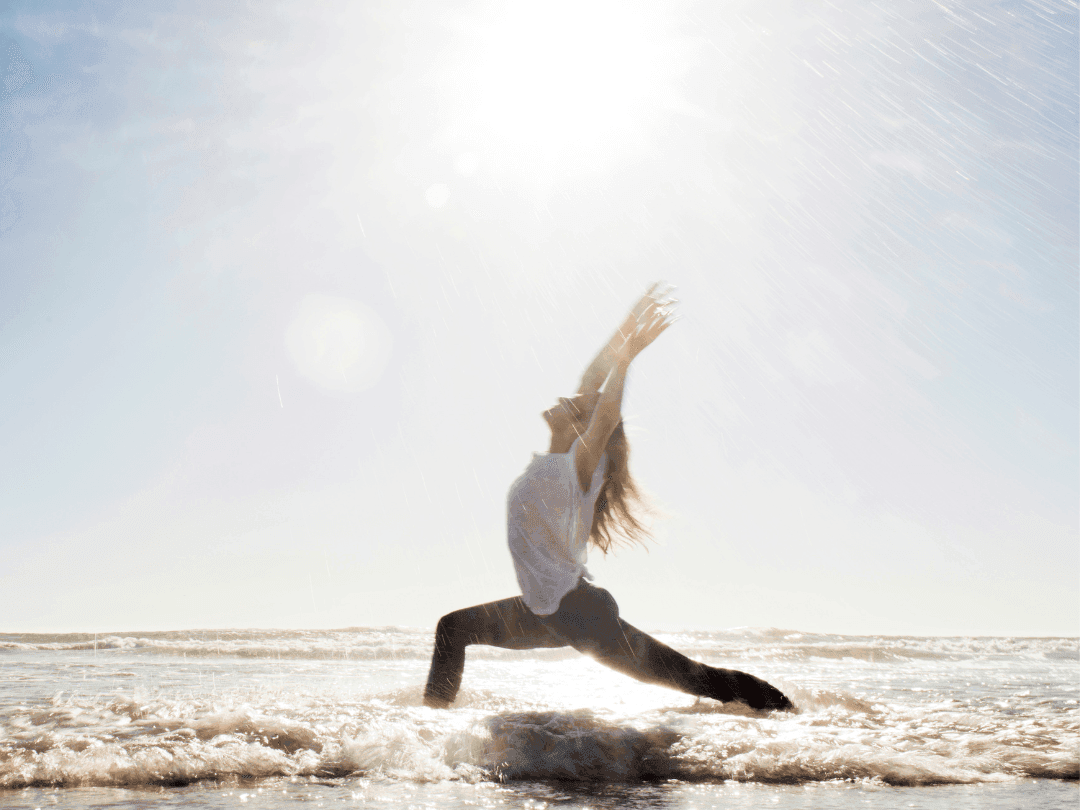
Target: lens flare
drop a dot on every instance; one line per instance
(338, 343)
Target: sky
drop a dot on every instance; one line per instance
(284, 288)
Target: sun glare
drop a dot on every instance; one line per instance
(562, 88)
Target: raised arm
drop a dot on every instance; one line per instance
(654, 318)
(658, 295)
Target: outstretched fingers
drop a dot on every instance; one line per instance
(648, 319)
(658, 295)
(653, 324)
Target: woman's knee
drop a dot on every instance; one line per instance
(457, 627)
(449, 626)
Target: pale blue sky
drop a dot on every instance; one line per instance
(283, 291)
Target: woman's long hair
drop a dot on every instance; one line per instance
(620, 503)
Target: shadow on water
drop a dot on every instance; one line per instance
(574, 746)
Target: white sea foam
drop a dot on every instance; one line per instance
(938, 711)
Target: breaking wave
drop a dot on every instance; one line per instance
(833, 736)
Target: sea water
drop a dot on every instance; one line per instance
(265, 718)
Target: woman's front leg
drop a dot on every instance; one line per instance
(507, 623)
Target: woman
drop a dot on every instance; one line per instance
(580, 491)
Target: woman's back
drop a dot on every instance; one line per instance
(548, 523)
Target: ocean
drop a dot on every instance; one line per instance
(267, 718)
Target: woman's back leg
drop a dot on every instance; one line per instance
(641, 656)
(588, 617)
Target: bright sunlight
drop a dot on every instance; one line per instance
(555, 90)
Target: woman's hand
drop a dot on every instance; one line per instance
(647, 320)
(658, 294)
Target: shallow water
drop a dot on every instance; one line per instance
(263, 718)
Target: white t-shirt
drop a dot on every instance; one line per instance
(548, 523)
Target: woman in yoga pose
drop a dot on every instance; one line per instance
(581, 491)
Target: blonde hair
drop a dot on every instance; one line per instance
(616, 516)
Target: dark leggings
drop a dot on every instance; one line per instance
(587, 620)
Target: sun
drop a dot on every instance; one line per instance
(560, 89)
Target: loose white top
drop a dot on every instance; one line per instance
(548, 523)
